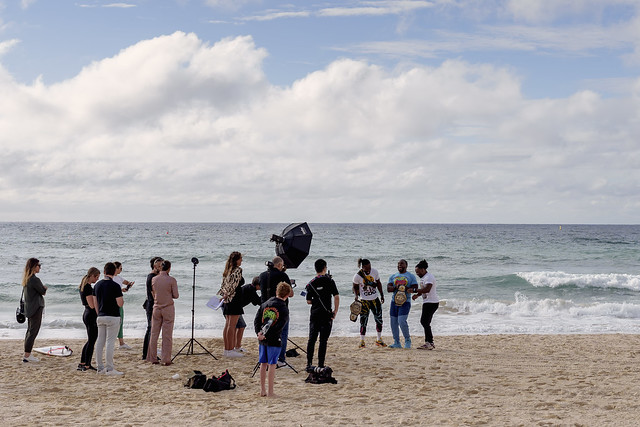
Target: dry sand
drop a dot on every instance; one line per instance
(509, 380)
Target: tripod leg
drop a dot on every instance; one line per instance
(255, 369)
(297, 346)
(287, 363)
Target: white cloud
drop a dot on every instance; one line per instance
(578, 41)
(376, 8)
(26, 3)
(277, 15)
(177, 129)
(7, 45)
(119, 5)
(229, 4)
(537, 11)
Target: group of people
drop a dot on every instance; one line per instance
(271, 323)
(103, 313)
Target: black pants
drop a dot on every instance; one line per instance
(428, 309)
(89, 318)
(323, 328)
(147, 335)
(33, 327)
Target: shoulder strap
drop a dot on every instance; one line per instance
(310, 284)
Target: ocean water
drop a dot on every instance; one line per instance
(492, 279)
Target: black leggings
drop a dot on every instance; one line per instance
(147, 334)
(33, 327)
(89, 318)
(428, 309)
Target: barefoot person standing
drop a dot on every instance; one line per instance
(270, 319)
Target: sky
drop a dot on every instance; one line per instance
(408, 111)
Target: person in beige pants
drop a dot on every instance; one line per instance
(165, 290)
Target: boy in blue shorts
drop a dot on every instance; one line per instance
(270, 319)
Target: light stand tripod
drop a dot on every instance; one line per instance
(189, 344)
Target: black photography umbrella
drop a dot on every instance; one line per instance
(293, 244)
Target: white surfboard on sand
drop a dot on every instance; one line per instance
(55, 350)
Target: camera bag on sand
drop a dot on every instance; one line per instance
(197, 380)
(223, 382)
(320, 376)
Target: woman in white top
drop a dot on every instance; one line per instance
(430, 302)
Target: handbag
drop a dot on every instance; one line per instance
(20, 317)
(223, 382)
(197, 380)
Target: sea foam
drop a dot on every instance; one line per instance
(555, 279)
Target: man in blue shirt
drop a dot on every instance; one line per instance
(401, 284)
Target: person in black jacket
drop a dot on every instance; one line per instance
(319, 293)
(34, 292)
(268, 324)
(156, 266)
(269, 280)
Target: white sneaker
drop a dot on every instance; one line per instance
(239, 350)
(281, 364)
(233, 353)
(31, 358)
(101, 371)
(125, 347)
(114, 372)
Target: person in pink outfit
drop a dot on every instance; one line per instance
(165, 290)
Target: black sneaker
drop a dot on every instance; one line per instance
(90, 368)
(82, 368)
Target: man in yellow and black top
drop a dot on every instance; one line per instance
(368, 289)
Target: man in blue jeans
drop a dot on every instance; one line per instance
(401, 284)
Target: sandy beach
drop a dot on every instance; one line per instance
(468, 380)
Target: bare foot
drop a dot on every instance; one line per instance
(263, 394)
(273, 396)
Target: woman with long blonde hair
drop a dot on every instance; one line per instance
(89, 317)
(232, 280)
(34, 292)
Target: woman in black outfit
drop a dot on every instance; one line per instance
(34, 292)
(231, 283)
(89, 317)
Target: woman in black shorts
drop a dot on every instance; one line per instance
(232, 280)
